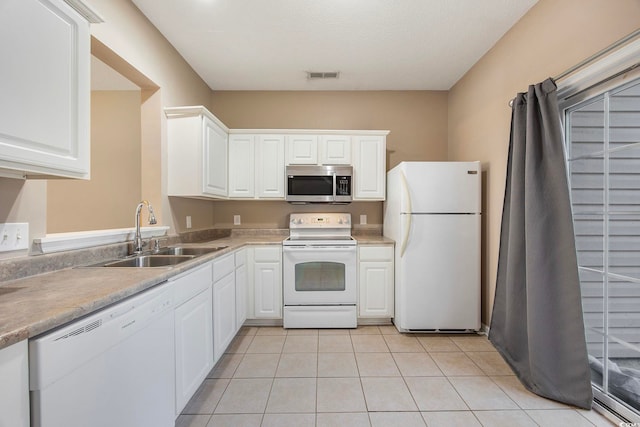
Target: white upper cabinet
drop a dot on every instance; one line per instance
(256, 166)
(207, 160)
(335, 150)
(241, 166)
(215, 159)
(302, 149)
(45, 89)
(197, 153)
(369, 167)
(309, 149)
(270, 166)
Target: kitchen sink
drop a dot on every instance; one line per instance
(195, 251)
(149, 261)
(165, 257)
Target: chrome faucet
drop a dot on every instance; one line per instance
(137, 240)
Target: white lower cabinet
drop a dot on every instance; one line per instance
(241, 287)
(375, 281)
(224, 304)
(267, 282)
(14, 387)
(193, 332)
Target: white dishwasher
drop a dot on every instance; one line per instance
(112, 368)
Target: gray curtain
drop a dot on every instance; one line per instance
(537, 322)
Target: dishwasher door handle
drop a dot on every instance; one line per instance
(117, 313)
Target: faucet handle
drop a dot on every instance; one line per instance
(155, 245)
(152, 216)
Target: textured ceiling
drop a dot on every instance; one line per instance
(374, 44)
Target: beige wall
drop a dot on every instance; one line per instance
(553, 36)
(129, 35)
(417, 121)
(275, 214)
(24, 201)
(108, 200)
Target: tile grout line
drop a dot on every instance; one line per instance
(485, 374)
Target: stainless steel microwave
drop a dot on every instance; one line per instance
(319, 184)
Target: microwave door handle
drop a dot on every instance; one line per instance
(335, 190)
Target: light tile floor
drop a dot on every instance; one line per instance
(369, 376)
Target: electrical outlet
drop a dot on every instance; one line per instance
(363, 219)
(188, 221)
(14, 236)
(236, 220)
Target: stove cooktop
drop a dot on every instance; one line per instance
(320, 229)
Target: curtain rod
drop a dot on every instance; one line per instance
(593, 57)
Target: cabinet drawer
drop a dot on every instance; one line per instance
(267, 254)
(241, 257)
(223, 266)
(376, 253)
(191, 283)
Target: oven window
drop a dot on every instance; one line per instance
(320, 276)
(310, 185)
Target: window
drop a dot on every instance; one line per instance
(602, 133)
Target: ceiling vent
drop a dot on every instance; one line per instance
(314, 75)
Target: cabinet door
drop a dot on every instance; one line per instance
(215, 159)
(335, 150)
(14, 387)
(241, 296)
(369, 167)
(224, 314)
(270, 166)
(268, 290)
(194, 345)
(302, 149)
(242, 281)
(241, 166)
(45, 88)
(376, 289)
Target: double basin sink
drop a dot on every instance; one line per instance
(165, 257)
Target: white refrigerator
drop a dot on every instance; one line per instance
(433, 212)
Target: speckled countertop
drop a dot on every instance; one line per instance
(32, 305)
(374, 240)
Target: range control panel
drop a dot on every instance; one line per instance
(320, 220)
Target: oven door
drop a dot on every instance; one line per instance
(316, 275)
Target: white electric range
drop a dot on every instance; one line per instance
(320, 261)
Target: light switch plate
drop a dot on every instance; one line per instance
(14, 236)
(236, 220)
(363, 219)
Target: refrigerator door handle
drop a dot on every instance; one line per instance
(405, 189)
(405, 238)
(407, 227)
